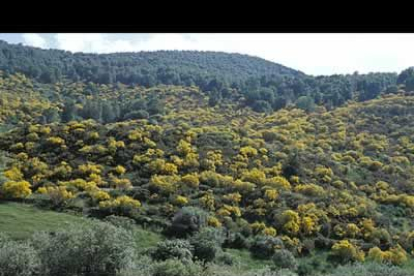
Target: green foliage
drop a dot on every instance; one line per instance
(306, 103)
(18, 259)
(205, 247)
(173, 249)
(187, 221)
(265, 246)
(173, 267)
(95, 249)
(369, 269)
(283, 258)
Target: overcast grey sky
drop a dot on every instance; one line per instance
(315, 54)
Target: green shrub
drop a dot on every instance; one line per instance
(170, 267)
(17, 259)
(174, 267)
(270, 272)
(225, 258)
(265, 246)
(207, 243)
(370, 269)
(205, 249)
(143, 263)
(284, 259)
(122, 222)
(218, 235)
(95, 248)
(173, 249)
(187, 221)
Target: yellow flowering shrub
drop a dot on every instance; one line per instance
(181, 200)
(120, 202)
(346, 251)
(207, 201)
(120, 170)
(13, 173)
(233, 198)
(16, 189)
(278, 182)
(191, 180)
(271, 194)
(58, 195)
(213, 222)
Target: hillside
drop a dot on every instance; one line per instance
(167, 67)
(313, 180)
(300, 174)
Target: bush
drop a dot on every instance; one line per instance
(173, 249)
(369, 269)
(284, 259)
(225, 258)
(344, 251)
(16, 189)
(143, 264)
(207, 243)
(205, 248)
(170, 268)
(121, 222)
(187, 221)
(218, 235)
(270, 272)
(174, 267)
(265, 246)
(95, 249)
(17, 259)
(236, 240)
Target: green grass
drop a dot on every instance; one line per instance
(20, 221)
(247, 262)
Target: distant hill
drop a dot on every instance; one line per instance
(145, 68)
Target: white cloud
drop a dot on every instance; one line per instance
(311, 53)
(35, 40)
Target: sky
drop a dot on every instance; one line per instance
(313, 54)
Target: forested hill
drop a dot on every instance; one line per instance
(145, 68)
(266, 86)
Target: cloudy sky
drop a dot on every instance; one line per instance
(315, 54)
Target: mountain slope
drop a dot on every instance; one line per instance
(166, 67)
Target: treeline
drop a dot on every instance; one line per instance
(268, 94)
(106, 111)
(143, 68)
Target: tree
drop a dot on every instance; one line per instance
(262, 106)
(69, 111)
(50, 115)
(108, 113)
(306, 103)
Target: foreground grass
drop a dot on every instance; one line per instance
(20, 221)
